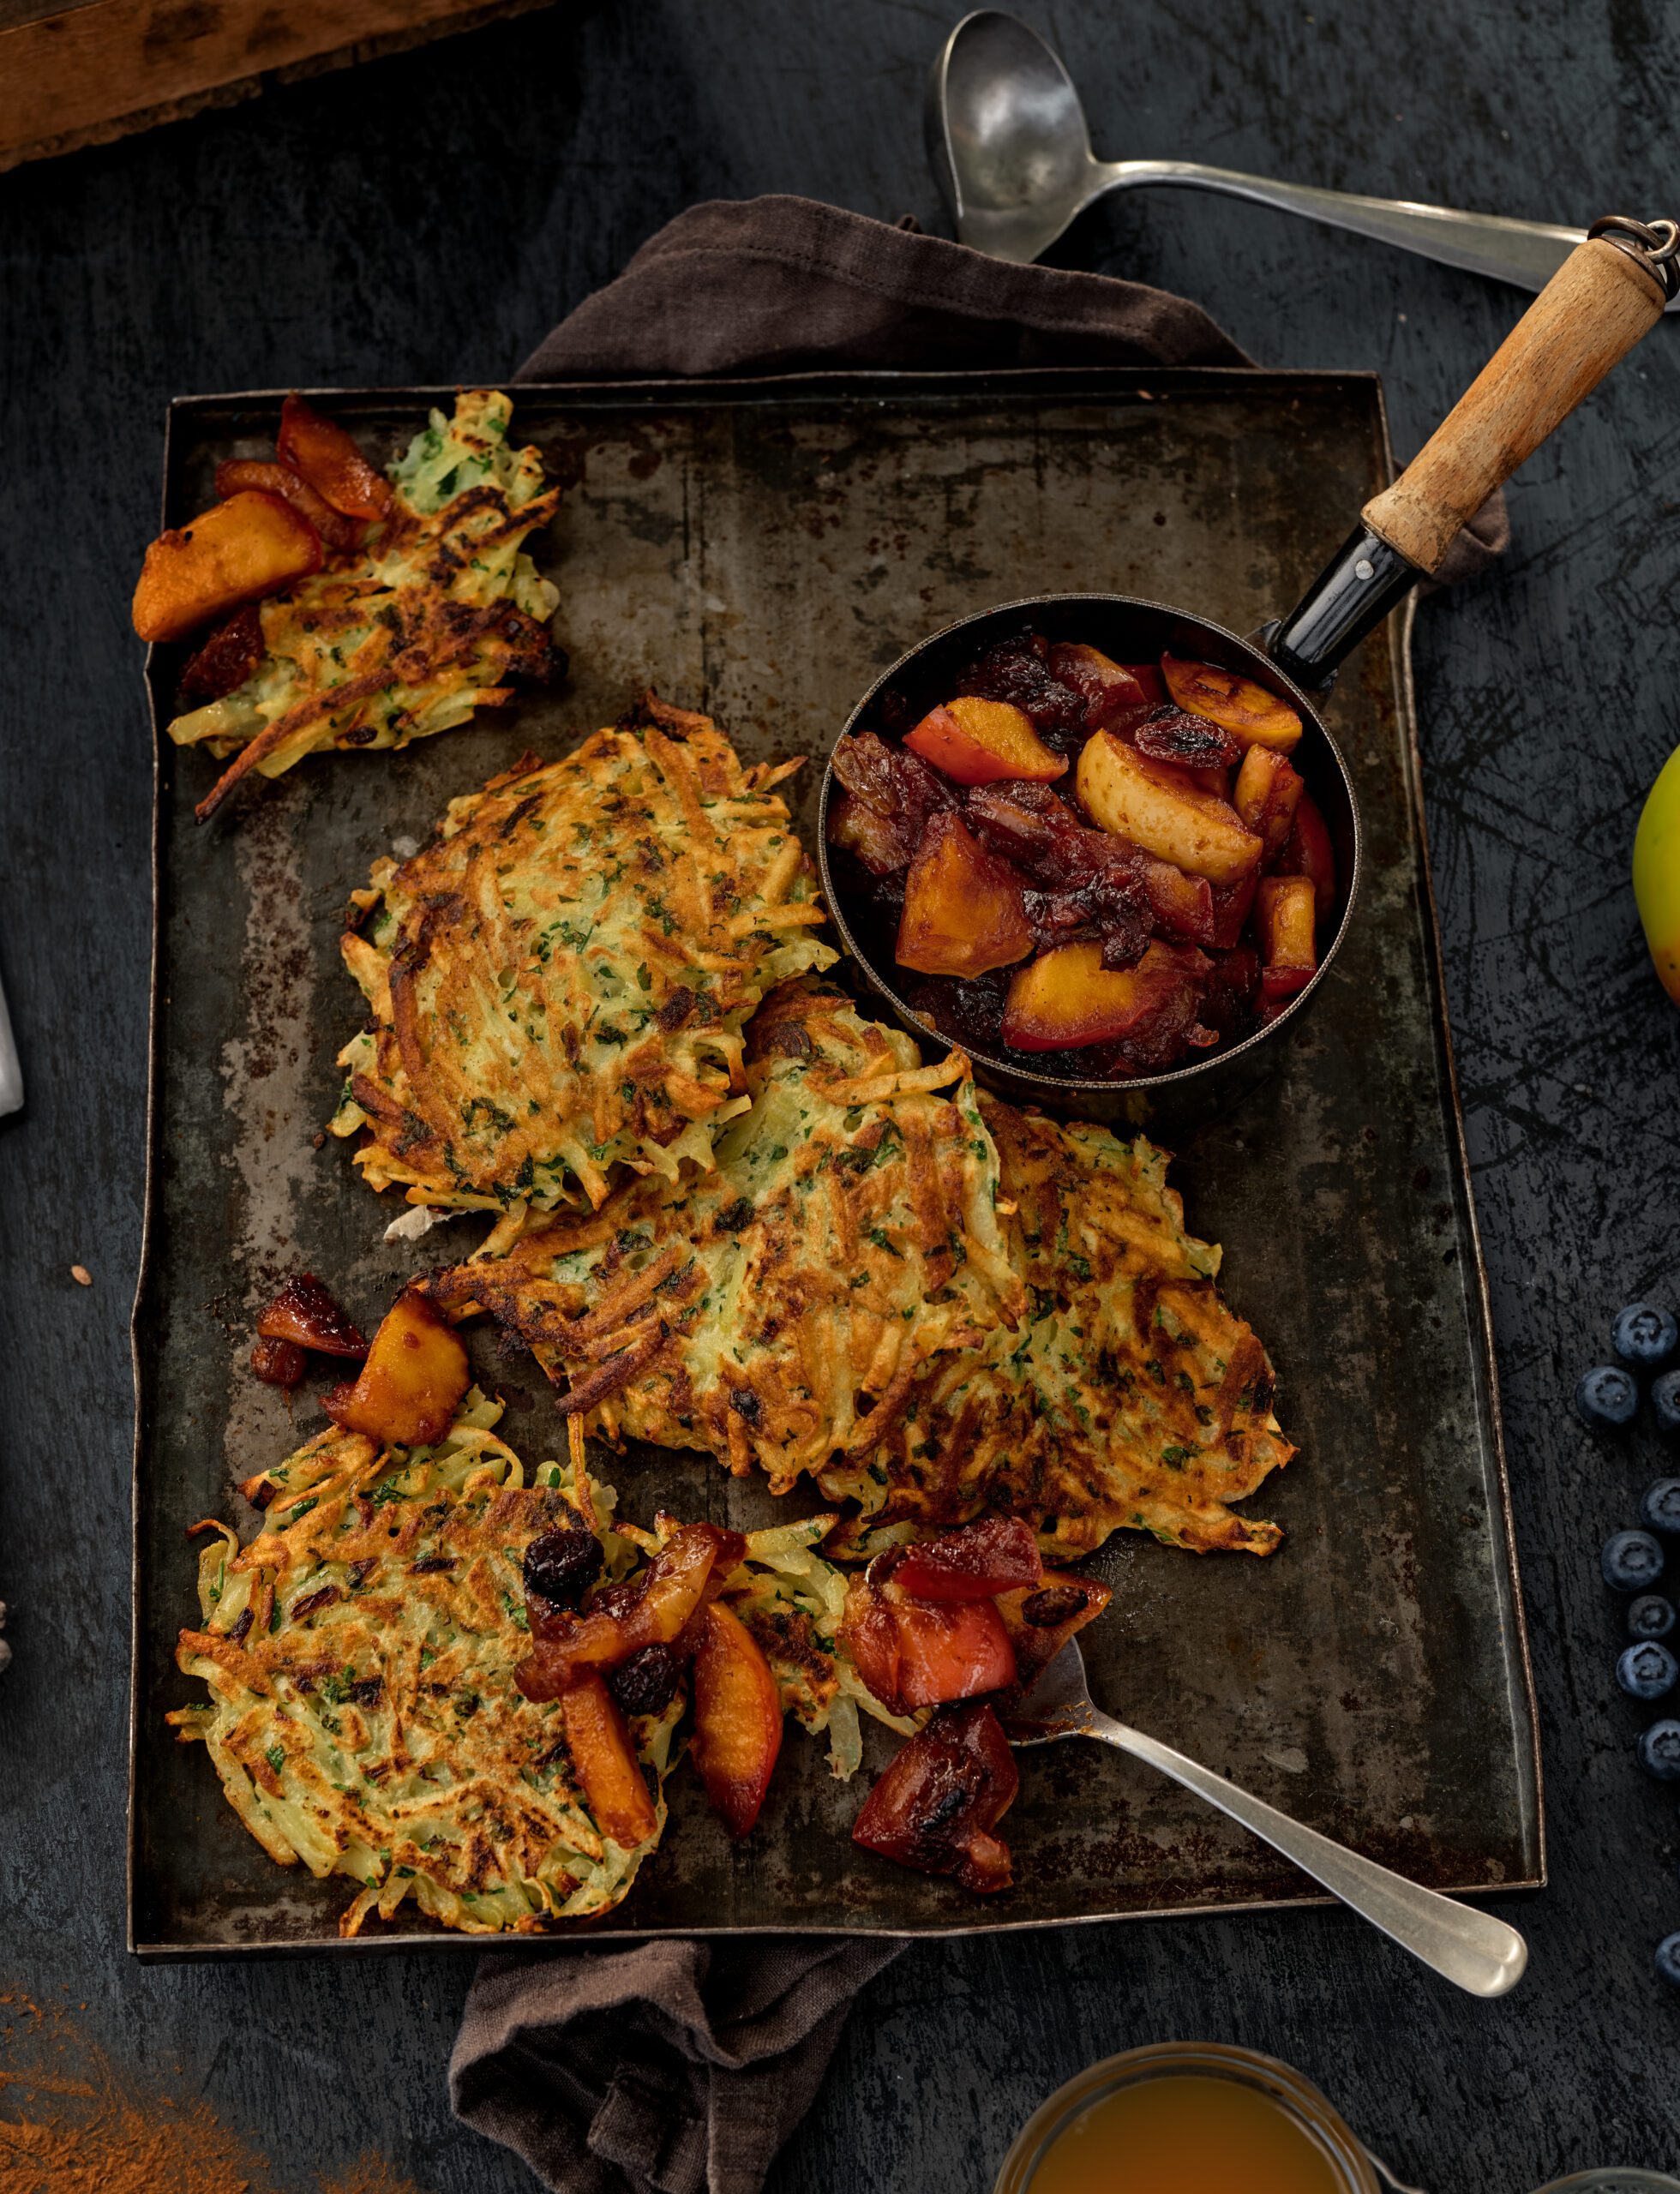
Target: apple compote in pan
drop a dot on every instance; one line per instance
(1113, 866)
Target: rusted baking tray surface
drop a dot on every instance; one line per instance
(761, 549)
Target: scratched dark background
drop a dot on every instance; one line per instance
(425, 218)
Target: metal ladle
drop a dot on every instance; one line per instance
(1011, 152)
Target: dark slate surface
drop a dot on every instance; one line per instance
(425, 218)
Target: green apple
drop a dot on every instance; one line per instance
(1656, 874)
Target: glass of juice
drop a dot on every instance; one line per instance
(1188, 2117)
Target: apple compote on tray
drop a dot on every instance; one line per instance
(1111, 868)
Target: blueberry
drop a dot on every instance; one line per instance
(1607, 1395)
(1660, 1509)
(1659, 1751)
(1645, 1334)
(1646, 1670)
(1631, 1561)
(1665, 1401)
(1668, 1959)
(1650, 1616)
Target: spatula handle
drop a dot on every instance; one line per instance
(1589, 315)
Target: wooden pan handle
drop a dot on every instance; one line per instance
(1591, 314)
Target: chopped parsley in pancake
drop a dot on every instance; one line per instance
(360, 1652)
(559, 982)
(410, 633)
(931, 1301)
(777, 1310)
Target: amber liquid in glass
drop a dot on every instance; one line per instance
(1186, 2133)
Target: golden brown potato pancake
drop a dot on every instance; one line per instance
(933, 1303)
(558, 984)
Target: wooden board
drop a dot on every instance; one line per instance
(81, 76)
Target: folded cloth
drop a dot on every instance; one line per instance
(679, 2067)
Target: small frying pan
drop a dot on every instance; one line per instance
(1609, 292)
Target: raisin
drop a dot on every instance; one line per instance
(1055, 1604)
(646, 1682)
(560, 1565)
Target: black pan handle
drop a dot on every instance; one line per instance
(1608, 293)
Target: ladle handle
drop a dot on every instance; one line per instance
(1590, 314)
(1604, 297)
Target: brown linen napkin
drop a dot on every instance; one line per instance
(680, 2067)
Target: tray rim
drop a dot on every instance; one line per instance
(720, 390)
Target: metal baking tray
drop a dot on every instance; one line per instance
(761, 548)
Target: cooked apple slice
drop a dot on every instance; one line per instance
(976, 743)
(1236, 704)
(303, 1311)
(1041, 1618)
(235, 474)
(737, 1719)
(1232, 905)
(674, 1586)
(1285, 917)
(1067, 998)
(1268, 792)
(964, 908)
(980, 1560)
(604, 1761)
(407, 1393)
(937, 1804)
(1108, 689)
(1157, 807)
(235, 552)
(1150, 683)
(911, 1654)
(329, 460)
(1309, 853)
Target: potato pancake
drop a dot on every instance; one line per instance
(777, 1310)
(559, 982)
(933, 1305)
(360, 1653)
(409, 633)
(1130, 1398)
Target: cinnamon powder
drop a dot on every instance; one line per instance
(72, 2122)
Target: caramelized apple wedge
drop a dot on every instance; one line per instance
(329, 460)
(937, 1804)
(1236, 704)
(737, 1719)
(305, 1312)
(912, 1654)
(1309, 853)
(974, 1562)
(1067, 998)
(1109, 690)
(696, 1560)
(964, 911)
(1159, 809)
(605, 1764)
(1286, 918)
(1267, 793)
(235, 552)
(1042, 1618)
(977, 742)
(236, 474)
(408, 1391)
